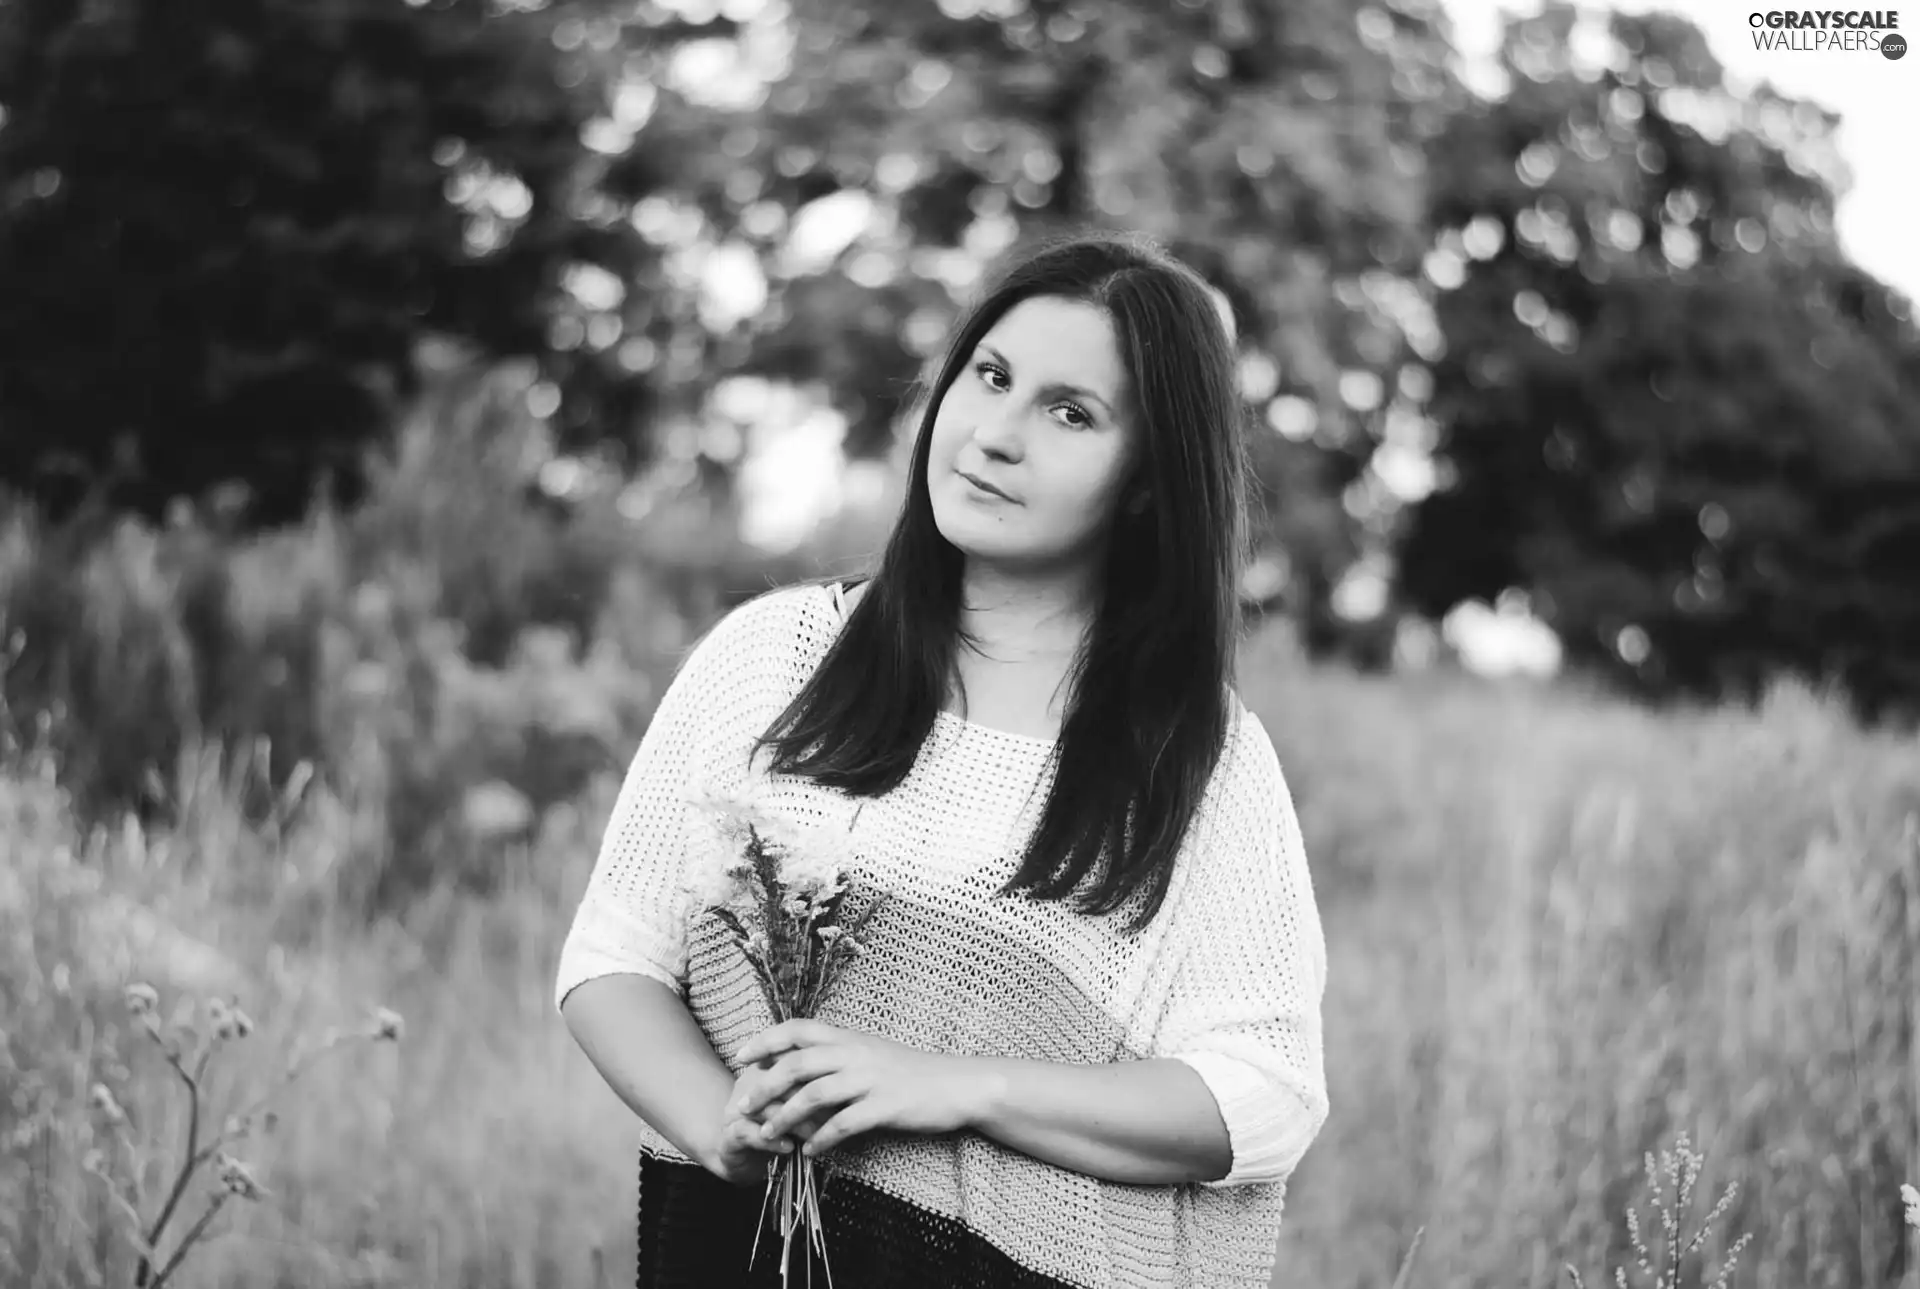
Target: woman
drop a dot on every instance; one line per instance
(1083, 1046)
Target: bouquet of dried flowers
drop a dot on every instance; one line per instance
(782, 895)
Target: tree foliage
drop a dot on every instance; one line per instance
(1667, 407)
(1670, 411)
(1279, 148)
(224, 229)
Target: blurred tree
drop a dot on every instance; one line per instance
(1670, 412)
(226, 233)
(852, 165)
(224, 229)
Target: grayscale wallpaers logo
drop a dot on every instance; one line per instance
(1821, 31)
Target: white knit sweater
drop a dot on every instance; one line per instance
(1228, 977)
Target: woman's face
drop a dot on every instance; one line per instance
(1040, 412)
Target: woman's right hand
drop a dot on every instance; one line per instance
(741, 1153)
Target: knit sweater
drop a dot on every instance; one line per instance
(1228, 977)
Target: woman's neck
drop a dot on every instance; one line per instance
(1023, 622)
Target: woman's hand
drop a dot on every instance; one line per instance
(849, 1083)
(741, 1150)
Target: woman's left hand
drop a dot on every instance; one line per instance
(875, 1082)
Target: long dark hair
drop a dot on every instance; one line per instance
(1150, 704)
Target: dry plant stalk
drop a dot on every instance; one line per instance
(1401, 1281)
(1911, 1198)
(1682, 1168)
(226, 1023)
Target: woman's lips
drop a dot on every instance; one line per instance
(984, 488)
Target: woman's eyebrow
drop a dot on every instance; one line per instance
(1057, 386)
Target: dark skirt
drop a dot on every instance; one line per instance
(696, 1232)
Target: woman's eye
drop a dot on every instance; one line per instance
(997, 379)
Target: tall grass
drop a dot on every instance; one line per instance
(473, 1153)
(1563, 932)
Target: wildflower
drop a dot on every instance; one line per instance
(814, 863)
(739, 820)
(94, 1161)
(387, 1025)
(103, 1101)
(236, 1177)
(735, 813)
(1912, 1197)
(141, 999)
(227, 1020)
(811, 859)
(712, 887)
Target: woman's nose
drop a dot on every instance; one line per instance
(999, 433)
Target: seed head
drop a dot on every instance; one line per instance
(227, 1020)
(1912, 1197)
(103, 1100)
(236, 1177)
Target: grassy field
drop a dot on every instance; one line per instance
(1562, 932)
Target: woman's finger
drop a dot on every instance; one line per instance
(747, 1134)
(787, 1036)
(854, 1118)
(808, 1102)
(753, 1091)
(789, 1073)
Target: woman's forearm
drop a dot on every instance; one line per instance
(1149, 1123)
(653, 1054)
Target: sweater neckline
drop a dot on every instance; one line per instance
(835, 595)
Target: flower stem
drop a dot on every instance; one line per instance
(142, 1273)
(193, 1234)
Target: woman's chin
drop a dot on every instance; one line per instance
(961, 522)
(981, 541)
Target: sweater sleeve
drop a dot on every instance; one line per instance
(632, 916)
(1244, 1010)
